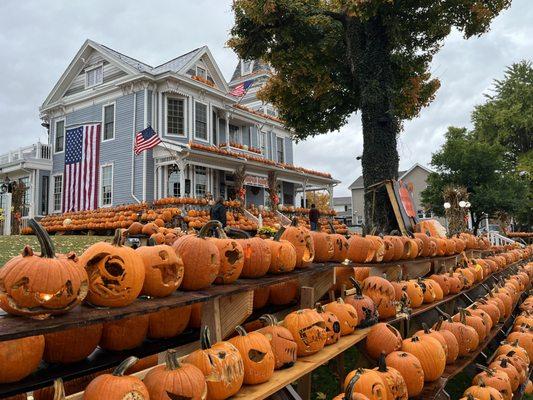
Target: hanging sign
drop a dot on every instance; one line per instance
(253, 180)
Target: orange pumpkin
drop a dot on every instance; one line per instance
(308, 330)
(364, 306)
(323, 245)
(367, 382)
(283, 254)
(303, 243)
(283, 345)
(430, 353)
(394, 380)
(22, 356)
(71, 345)
(163, 270)
(231, 256)
(410, 368)
(257, 257)
(382, 294)
(333, 326)
(125, 334)
(166, 324)
(382, 338)
(345, 313)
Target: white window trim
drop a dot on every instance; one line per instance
(206, 122)
(64, 136)
(284, 149)
(251, 68)
(114, 104)
(263, 142)
(101, 192)
(239, 133)
(185, 119)
(92, 67)
(52, 193)
(205, 70)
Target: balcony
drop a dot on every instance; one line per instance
(37, 151)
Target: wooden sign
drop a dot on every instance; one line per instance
(254, 180)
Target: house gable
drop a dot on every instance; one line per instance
(204, 59)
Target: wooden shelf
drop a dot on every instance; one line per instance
(13, 327)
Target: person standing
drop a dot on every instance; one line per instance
(314, 215)
(218, 211)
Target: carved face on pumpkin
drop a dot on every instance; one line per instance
(333, 326)
(283, 345)
(308, 330)
(303, 243)
(163, 270)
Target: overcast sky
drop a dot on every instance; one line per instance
(39, 38)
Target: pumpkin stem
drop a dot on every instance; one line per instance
(279, 234)
(357, 287)
(382, 365)
(462, 315)
(206, 229)
(268, 320)
(125, 365)
(331, 227)
(47, 247)
(59, 389)
(117, 238)
(340, 300)
(171, 360)
(205, 338)
(350, 387)
(222, 233)
(241, 331)
(490, 372)
(438, 325)
(425, 327)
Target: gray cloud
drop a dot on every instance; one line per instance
(39, 38)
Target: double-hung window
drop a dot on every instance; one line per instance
(59, 144)
(201, 72)
(263, 143)
(106, 185)
(200, 179)
(234, 134)
(175, 116)
(94, 76)
(280, 149)
(200, 121)
(109, 122)
(57, 193)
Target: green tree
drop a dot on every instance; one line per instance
(335, 57)
(480, 167)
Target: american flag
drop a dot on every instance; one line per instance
(146, 139)
(82, 155)
(241, 89)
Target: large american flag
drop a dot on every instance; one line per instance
(241, 89)
(82, 154)
(146, 139)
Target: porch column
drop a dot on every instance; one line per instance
(226, 117)
(182, 165)
(304, 186)
(330, 191)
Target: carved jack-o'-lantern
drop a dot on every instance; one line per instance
(116, 273)
(256, 354)
(345, 313)
(163, 270)
(382, 293)
(303, 243)
(41, 285)
(308, 330)
(222, 364)
(333, 326)
(283, 345)
(323, 245)
(283, 254)
(231, 258)
(364, 306)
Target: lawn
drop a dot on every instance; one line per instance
(10, 246)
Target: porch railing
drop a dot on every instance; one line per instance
(37, 151)
(499, 240)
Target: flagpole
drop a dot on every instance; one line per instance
(245, 92)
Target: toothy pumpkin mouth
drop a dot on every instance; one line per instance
(106, 274)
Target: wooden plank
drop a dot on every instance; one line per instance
(307, 300)
(12, 327)
(233, 311)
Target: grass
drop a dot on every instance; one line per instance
(11, 246)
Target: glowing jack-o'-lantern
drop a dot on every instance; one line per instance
(163, 270)
(221, 364)
(42, 285)
(116, 273)
(308, 330)
(283, 345)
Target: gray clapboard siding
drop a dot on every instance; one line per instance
(139, 122)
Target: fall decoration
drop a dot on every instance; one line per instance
(282, 254)
(71, 345)
(364, 306)
(167, 324)
(22, 356)
(346, 314)
(382, 338)
(303, 243)
(393, 379)
(124, 334)
(410, 368)
(333, 326)
(283, 345)
(308, 330)
(430, 353)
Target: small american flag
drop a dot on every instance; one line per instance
(82, 155)
(146, 139)
(241, 89)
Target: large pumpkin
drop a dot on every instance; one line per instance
(167, 324)
(200, 258)
(451, 342)
(283, 345)
(116, 386)
(51, 283)
(308, 330)
(467, 337)
(257, 356)
(333, 326)
(282, 254)
(175, 380)
(303, 243)
(394, 380)
(257, 257)
(410, 368)
(382, 338)
(71, 345)
(483, 392)
(163, 270)
(382, 294)
(495, 379)
(125, 334)
(364, 306)
(116, 273)
(323, 245)
(340, 247)
(221, 363)
(430, 353)
(231, 258)
(367, 382)
(22, 356)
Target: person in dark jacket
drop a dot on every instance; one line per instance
(218, 211)
(314, 214)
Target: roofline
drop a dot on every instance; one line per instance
(412, 168)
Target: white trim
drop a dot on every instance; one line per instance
(100, 189)
(64, 135)
(114, 104)
(284, 150)
(204, 69)
(412, 168)
(91, 68)
(250, 68)
(206, 121)
(165, 116)
(51, 206)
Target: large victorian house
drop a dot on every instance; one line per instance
(206, 132)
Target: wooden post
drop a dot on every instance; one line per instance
(307, 300)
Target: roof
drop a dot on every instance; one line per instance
(177, 63)
(359, 184)
(259, 66)
(139, 65)
(338, 201)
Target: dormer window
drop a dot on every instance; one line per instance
(201, 72)
(247, 67)
(94, 76)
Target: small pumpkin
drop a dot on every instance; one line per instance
(257, 356)
(175, 380)
(117, 386)
(42, 285)
(283, 345)
(163, 270)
